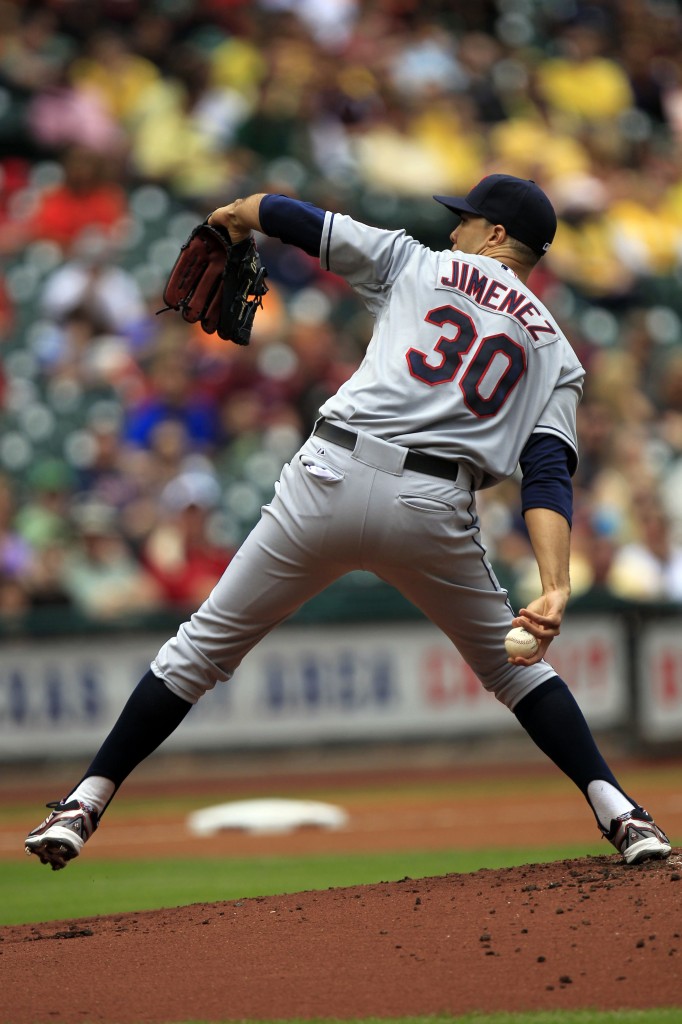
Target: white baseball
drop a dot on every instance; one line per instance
(519, 643)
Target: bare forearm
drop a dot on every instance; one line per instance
(550, 537)
(240, 217)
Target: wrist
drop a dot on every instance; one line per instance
(557, 588)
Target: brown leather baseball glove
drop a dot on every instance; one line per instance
(217, 283)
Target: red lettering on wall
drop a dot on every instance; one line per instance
(447, 679)
(670, 690)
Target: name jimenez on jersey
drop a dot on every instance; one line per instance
(501, 298)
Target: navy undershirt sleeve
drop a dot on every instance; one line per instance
(547, 464)
(293, 221)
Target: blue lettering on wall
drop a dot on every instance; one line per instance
(346, 680)
(93, 698)
(275, 696)
(54, 696)
(50, 697)
(17, 703)
(311, 683)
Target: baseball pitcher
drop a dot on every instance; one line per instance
(467, 376)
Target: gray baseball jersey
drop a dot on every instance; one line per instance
(455, 337)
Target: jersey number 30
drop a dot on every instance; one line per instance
(494, 370)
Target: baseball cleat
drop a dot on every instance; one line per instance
(637, 837)
(62, 835)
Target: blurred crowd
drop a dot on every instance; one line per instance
(135, 451)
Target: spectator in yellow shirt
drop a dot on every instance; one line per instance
(583, 84)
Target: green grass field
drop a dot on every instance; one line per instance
(30, 892)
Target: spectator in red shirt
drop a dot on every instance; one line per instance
(85, 200)
(180, 553)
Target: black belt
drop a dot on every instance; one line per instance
(431, 465)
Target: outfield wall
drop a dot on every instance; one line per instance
(308, 684)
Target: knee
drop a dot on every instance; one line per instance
(513, 683)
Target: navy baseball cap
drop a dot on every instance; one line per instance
(517, 203)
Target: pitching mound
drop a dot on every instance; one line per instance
(573, 933)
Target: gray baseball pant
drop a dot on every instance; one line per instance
(335, 511)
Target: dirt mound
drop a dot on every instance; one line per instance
(572, 933)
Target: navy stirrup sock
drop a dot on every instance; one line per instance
(553, 720)
(150, 715)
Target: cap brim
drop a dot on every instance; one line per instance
(458, 204)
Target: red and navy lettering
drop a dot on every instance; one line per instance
(498, 296)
